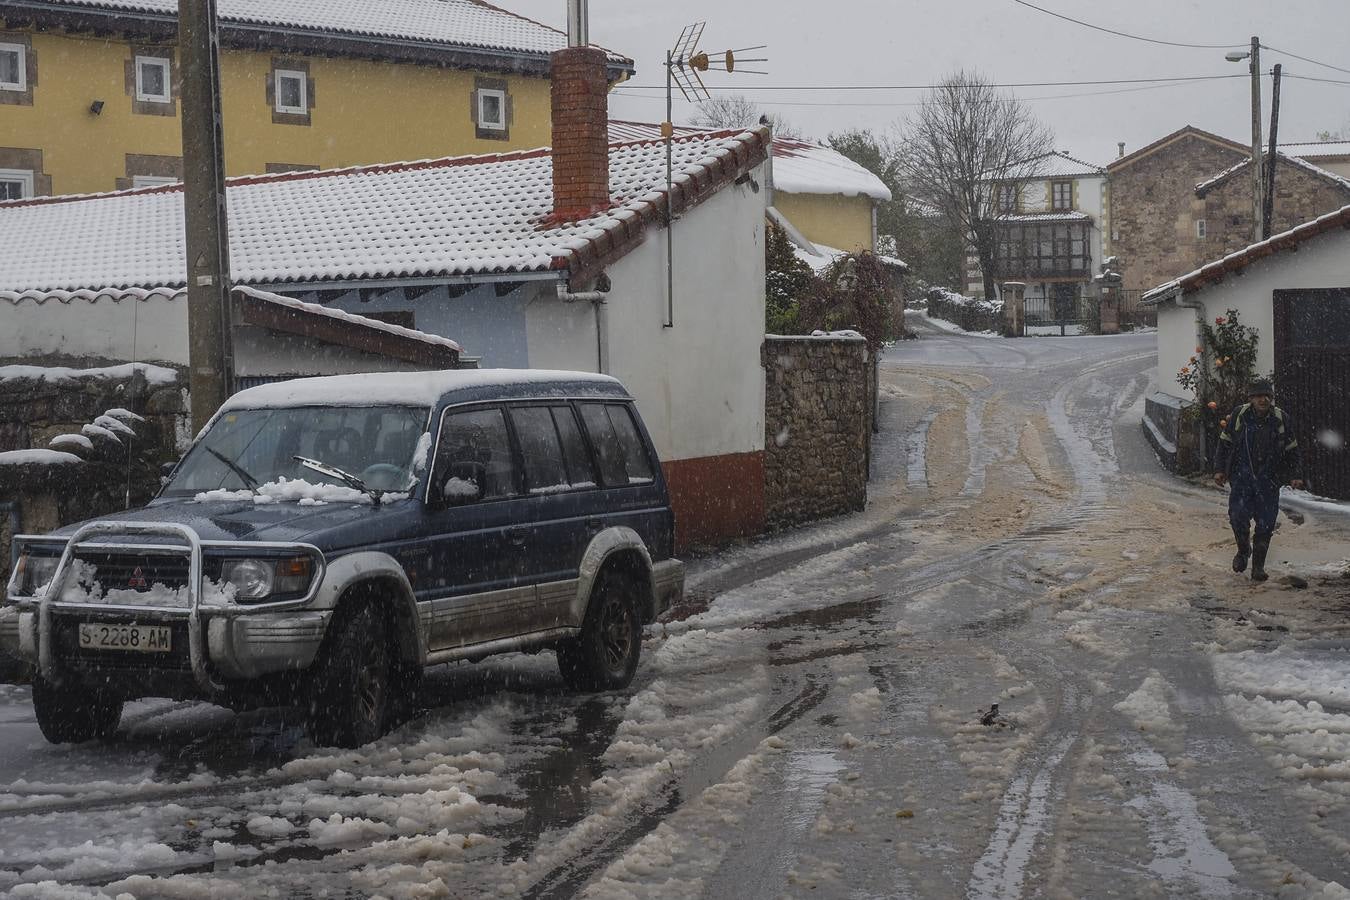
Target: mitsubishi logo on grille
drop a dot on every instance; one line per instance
(137, 579)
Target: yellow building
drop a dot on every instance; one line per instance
(89, 89)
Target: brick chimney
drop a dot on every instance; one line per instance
(580, 95)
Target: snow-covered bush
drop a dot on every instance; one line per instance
(971, 313)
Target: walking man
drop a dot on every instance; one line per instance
(1258, 452)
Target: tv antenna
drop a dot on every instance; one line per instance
(684, 62)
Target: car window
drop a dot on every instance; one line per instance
(473, 459)
(613, 470)
(580, 467)
(540, 450)
(636, 460)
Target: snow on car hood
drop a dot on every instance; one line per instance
(239, 518)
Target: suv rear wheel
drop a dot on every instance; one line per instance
(605, 655)
(71, 713)
(349, 688)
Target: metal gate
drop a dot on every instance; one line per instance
(1312, 380)
(1063, 310)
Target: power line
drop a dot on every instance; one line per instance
(1304, 59)
(929, 87)
(1137, 37)
(1133, 37)
(898, 104)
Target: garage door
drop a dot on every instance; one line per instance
(1312, 376)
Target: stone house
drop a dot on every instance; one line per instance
(1303, 191)
(1176, 203)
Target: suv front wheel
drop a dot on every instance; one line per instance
(605, 655)
(349, 688)
(70, 713)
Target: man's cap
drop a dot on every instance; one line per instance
(1261, 387)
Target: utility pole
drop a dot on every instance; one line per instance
(1268, 210)
(1258, 231)
(210, 341)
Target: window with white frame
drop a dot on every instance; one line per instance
(492, 109)
(13, 67)
(15, 184)
(292, 91)
(141, 181)
(1201, 228)
(153, 79)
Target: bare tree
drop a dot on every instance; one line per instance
(738, 111)
(966, 138)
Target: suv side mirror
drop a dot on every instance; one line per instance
(166, 469)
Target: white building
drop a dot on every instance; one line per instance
(508, 259)
(1294, 289)
(1048, 233)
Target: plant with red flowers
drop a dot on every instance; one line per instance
(1222, 368)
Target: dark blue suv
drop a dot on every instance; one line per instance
(325, 539)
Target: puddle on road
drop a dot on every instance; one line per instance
(807, 774)
(1182, 850)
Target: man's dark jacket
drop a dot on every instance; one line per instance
(1259, 452)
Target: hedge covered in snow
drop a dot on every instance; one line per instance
(968, 312)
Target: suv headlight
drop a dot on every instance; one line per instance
(261, 579)
(32, 571)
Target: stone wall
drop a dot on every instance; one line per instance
(1300, 196)
(818, 427)
(74, 443)
(1154, 207)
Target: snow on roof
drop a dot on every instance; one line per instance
(422, 389)
(157, 375)
(459, 23)
(442, 217)
(1210, 183)
(799, 167)
(819, 263)
(314, 309)
(1317, 149)
(117, 295)
(1058, 164)
(1074, 216)
(1285, 240)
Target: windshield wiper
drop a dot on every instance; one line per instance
(346, 478)
(249, 481)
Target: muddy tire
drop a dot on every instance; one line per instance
(350, 685)
(70, 713)
(605, 655)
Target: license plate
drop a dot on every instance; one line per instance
(133, 638)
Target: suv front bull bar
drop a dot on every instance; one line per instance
(196, 637)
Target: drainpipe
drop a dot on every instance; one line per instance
(597, 299)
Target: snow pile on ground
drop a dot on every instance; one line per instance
(1149, 706)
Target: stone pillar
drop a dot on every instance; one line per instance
(1109, 309)
(1014, 308)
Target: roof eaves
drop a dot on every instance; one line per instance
(698, 184)
(299, 39)
(1210, 184)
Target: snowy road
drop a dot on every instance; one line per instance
(809, 722)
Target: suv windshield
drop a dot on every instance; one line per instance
(246, 448)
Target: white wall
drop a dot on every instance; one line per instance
(699, 384)
(1321, 262)
(152, 330)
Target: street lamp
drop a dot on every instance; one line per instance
(1254, 54)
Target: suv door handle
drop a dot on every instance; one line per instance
(517, 534)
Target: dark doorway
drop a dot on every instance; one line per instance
(1312, 380)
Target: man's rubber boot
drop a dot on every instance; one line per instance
(1259, 547)
(1244, 546)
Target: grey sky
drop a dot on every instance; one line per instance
(920, 41)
